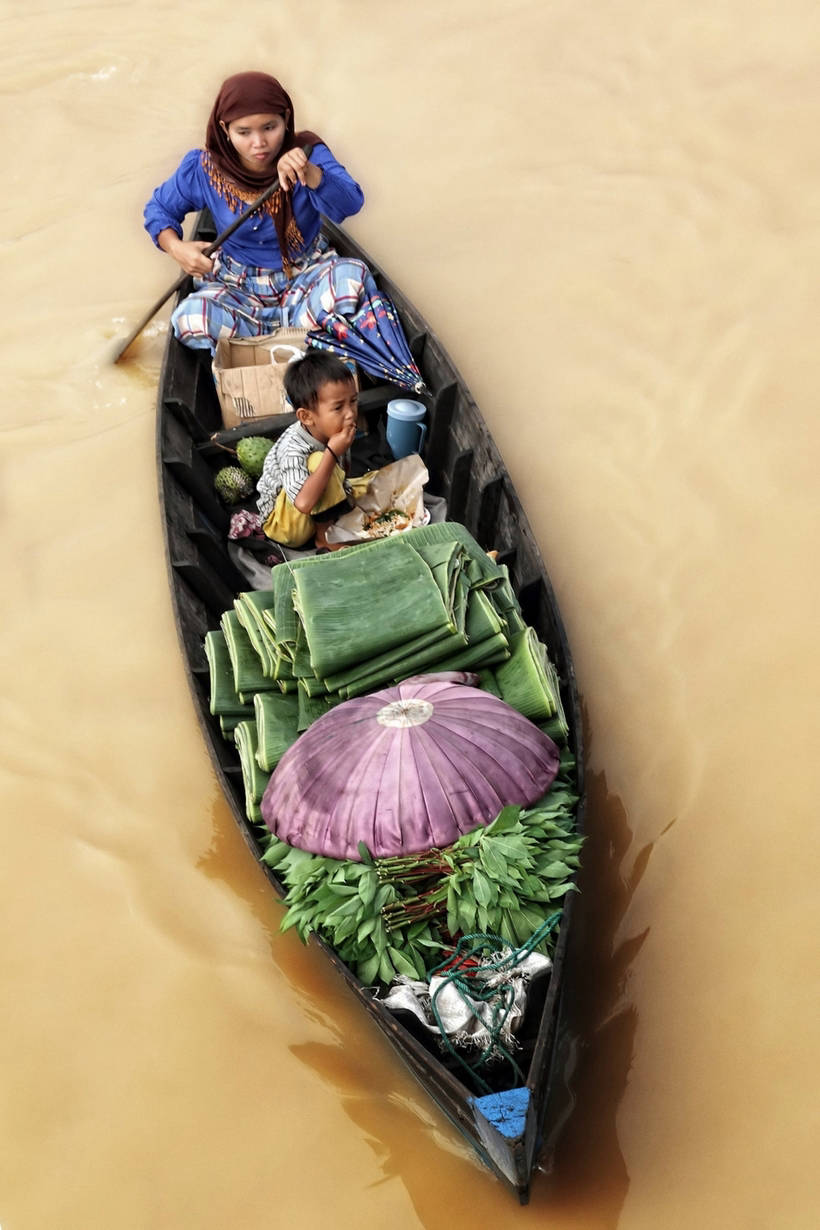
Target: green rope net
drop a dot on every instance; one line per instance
(475, 979)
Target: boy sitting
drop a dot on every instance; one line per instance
(304, 472)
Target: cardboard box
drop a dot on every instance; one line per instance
(248, 373)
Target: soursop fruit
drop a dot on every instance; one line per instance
(233, 484)
(251, 453)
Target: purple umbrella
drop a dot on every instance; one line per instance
(406, 769)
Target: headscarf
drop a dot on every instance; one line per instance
(253, 94)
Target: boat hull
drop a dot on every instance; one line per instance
(465, 468)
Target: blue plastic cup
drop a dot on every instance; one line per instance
(405, 430)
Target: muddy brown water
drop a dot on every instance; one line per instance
(610, 215)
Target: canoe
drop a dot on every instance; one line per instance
(506, 1127)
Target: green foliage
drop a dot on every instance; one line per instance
(401, 915)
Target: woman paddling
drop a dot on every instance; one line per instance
(275, 269)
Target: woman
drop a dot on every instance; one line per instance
(275, 269)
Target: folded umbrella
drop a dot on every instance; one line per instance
(406, 769)
(373, 338)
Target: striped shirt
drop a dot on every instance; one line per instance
(286, 466)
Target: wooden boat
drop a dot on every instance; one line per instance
(465, 468)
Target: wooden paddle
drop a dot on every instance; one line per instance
(212, 247)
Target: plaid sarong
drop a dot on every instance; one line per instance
(247, 301)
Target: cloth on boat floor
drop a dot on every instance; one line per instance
(466, 1021)
(251, 563)
(245, 524)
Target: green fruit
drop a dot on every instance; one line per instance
(251, 453)
(233, 484)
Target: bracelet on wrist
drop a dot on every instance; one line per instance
(333, 455)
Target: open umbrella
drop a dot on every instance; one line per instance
(372, 337)
(406, 769)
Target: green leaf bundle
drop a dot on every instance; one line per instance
(402, 915)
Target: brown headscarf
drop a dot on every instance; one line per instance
(253, 94)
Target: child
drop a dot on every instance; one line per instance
(304, 472)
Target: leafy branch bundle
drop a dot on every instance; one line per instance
(401, 915)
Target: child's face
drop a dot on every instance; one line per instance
(335, 410)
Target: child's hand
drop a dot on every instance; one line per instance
(341, 440)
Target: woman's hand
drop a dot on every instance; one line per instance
(189, 254)
(295, 165)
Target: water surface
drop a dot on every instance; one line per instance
(611, 216)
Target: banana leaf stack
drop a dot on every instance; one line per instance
(337, 626)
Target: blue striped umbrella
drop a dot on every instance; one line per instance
(373, 338)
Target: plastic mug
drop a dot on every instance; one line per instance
(405, 430)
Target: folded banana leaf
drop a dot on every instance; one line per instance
(451, 654)
(506, 603)
(405, 658)
(313, 687)
(481, 569)
(492, 652)
(333, 627)
(487, 683)
(248, 673)
(229, 722)
(285, 619)
(311, 708)
(444, 560)
(481, 642)
(254, 779)
(302, 666)
(282, 616)
(483, 619)
(224, 700)
(359, 605)
(264, 603)
(259, 636)
(473, 613)
(259, 602)
(528, 680)
(277, 726)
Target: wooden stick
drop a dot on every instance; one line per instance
(180, 282)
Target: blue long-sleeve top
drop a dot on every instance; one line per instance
(255, 242)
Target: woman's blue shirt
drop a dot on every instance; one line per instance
(255, 242)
